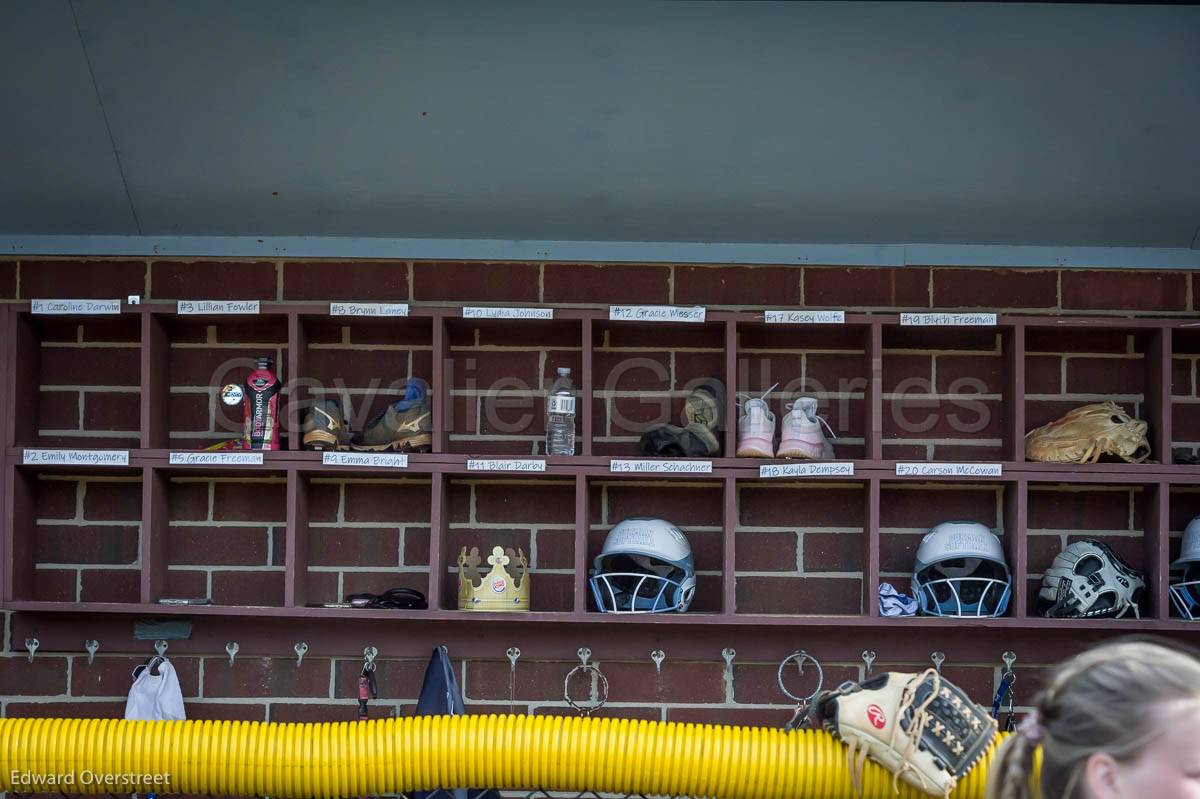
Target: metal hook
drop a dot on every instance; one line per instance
(91, 646)
(658, 656)
(369, 655)
(232, 648)
(1009, 659)
(514, 655)
(868, 656)
(728, 654)
(301, 650)
(938, 658)
(585, 655)
(804, 704)
(160, 646)
(32, 645)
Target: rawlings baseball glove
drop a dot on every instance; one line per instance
(918, 726)
(1088, 432)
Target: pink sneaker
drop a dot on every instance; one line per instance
(756, 427)
(801, 435)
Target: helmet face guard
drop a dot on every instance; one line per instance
(1186, 593)
(639, 592)
(982, 597)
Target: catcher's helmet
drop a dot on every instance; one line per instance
(1089, 580)
(1186, 593)
(645, 566)
(961, 571)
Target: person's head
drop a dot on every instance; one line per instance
(1119, 721)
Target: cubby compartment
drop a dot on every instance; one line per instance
(535, 516)
(362, 363)
(1185, 395)
(76, 381)
(828, 362)
(1185, 506)
(801, 547)
(200, 355)
(76, 535)
(909, 510)
(1119, 514)
(696, 507)
(1066, 367)
(364, 534)
(943, 393)
(643, 372)
(497, 373)
(223, 537)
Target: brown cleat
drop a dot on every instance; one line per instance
(405, 426)
(325, 428)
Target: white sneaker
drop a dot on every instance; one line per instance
(756, 427)
(801, 435)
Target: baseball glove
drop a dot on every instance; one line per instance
(1088, 432)
(920, 727)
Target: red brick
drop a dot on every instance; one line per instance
(475, 282)
(631, 371)
(632, 713)
(849, 287)
(187, 501)
(921, 508)
(416, 546)
(248, 588)
(725, 716)
(684, 505)
(8, 280)
(765, 551)
(110, 411)
(1043, 374)
(505, 370)
(225, 546)
(636, 415)
(1066, 340)
(47, 676)
(1181, 377)
(940, 338)
(56, 499)
(71, 366)
(111, 676)
(961, 417)
(908, 374)
(217, 711)
(383, 502)
(994, 288)
(102, 280)
(211, 367)
(98, 442)
(525, 503)
(354, 280)
(833, 552)
(348, 546)
(103, 501)
(758, 684)
(378, 582)
(86, 544)
(188, 413)
(397, 679)
(266, 677)
(681, 681)
(250, 502)
(185, 584)
(110, 585)
(970, 374)
(1116, 290)
(1185, 423)
(898, 551)
(54, 585)
(835, 372)
(536, 680)
(213, 280)
(659, 337)
(534, 334)
(554, 592)
(619, 283)
(694, 368)
(1106, 509)
(1185, 505)
(65, 710)
(298, 713)
(737, 285)
(823, 506)
(56, 410)
(514, 416)
(804, 595)
(386, 371)
(1105, 376)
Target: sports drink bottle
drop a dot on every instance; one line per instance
(560, 416)
(261, 425)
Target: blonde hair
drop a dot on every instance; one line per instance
(1108, 699)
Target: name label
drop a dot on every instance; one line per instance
(368, 309)
(948, 470)
(632, 466)
(218, 307)
(216, 459)
(389, 460)
(806, 470)
(656, 313)
(76, 457)
(560, 404)
(506, 465)
(948, 320)
(75, 307)
(482, 312)
(804, 317)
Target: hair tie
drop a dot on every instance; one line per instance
(1031, 728)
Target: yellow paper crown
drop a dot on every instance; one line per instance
(497, 590)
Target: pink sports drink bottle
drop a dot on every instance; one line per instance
(261, 426)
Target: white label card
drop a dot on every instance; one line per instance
(76, 457)
(656, 313)
(216, 459)
(505, 465)
(948, 320)
(390, 460)
(368, 309)
(560, 404)
(75, 307)
(631, 466)
(807, 470)
(483, 312)
(948, 470)
(218, 307)
(804, 317)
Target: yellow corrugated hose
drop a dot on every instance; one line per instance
(352, 759)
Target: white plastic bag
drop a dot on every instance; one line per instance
(155, 697)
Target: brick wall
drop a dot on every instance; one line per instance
(369, 534)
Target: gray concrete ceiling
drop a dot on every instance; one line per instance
(1065, 125)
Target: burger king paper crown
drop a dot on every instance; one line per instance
(497, 590)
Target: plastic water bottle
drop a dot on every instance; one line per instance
(560, 416)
